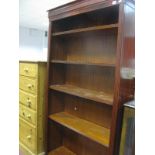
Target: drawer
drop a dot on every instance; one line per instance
(28, 84)
(23, 150)
(28, 100)
(28, 69)
(27, 114)
(27, 135)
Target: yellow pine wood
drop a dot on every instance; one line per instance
(28, 114)
(41, 106)
(88, 129)
(24, 150)
(27, 99)
(28, 69)
(28, 84)
(37, 78)
(27, 135)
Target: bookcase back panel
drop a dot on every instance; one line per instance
(92, 111)
(94, 18)
(58, 49)
(94, 78)
(96, 47)
(56, 101)
(55, 138)
(88, 77)
(60, 136)
(81, 145)
(57, 74)
(97, 113)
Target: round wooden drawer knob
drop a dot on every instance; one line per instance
(29, 116)
(28, 137)
(28, 102)
(26, 69)
(29, 86)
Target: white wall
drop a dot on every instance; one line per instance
(32, 42)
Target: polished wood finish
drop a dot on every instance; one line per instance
(104, 64)
(96, 133)
(124, 87)
(81, 145)
(79, 7)
(84, 93)
(81, 108)
(87, 109)
(92, 78)
(90, 47)
(61, 151)
(90, 74)
(95, 28)
(75, 142)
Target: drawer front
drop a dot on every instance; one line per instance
(28, 100)
(23, 150)
(27, 135)
(27, 114)
(28, 84)
(28, 69)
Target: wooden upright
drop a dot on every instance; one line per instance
(90, 75)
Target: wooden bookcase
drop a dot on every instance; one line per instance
(90, 75)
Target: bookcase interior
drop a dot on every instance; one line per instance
(82, 108)
(94, 18)
(87, 77)
(67, 142)
(96, 47)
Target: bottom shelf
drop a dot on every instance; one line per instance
(88, 129)
(61, 151)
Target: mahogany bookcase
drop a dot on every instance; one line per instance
(90, 75)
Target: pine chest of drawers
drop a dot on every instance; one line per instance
(32, 77)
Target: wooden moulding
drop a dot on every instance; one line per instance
(98, 96)
(90, 130)
(94, 28)
(78, 7)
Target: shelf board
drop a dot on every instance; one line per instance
(61, 151)
(98, 96)
(88, 129)
(94, 28)
(108, 64)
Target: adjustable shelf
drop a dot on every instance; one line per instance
(90, 130)
(98, 96)
(94, 28)
(104, 64)
(61, 151)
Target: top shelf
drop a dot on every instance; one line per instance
(94, 28)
